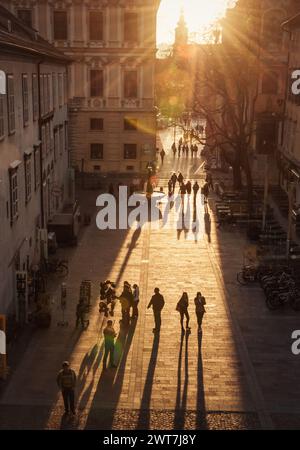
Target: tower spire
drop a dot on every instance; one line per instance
(181, 32)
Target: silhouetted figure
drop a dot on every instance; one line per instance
(196, 188)
(80, 313)
(209, 180)
(180, 178)
(174, 149)
(136, 300)
(109, 344)
(157, 302)
(126, 300)
(205, 191)
(162, 155)
(174, 179)
(66, 381)
(200, 310)
(182, 308)
(170, 188)
(188, 187)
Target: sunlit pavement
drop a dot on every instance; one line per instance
(239, 374)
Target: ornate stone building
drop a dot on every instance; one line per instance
(111, 81)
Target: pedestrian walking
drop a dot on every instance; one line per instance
(80, 313)
(174, 149)
(196, 188)
(109, 344)
(200, 309)
(174, 179)
(205, 191)
(179, 150)
(136, 300)
(196, 150)
(188, 187)
(157, 302)
(182, 308)
(209, 180)
(187, 150)
(66, 381)
(180, 178)
(170, 187)
(162, 155)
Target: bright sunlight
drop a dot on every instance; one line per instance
(200, 15)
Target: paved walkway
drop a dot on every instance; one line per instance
(239, 374)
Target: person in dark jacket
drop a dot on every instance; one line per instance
(188, 187)
(109, 344)
(162, 155)
(126, 299)
(200, 309)
(66, 381)
(80, 312)
(157, 302)
(180, 178)
(174, 179)
(182, 308)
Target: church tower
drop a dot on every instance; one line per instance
(181, 32)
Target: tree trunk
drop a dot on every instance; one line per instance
(249, 186)
(237, 177)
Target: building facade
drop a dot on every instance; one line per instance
(111, 88)
(34, 157)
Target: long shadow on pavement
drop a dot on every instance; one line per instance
(143, 422)
(110, 384)
(181, 400)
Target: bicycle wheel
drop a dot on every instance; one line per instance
(240, 278)
(272, 303)
(62, 270)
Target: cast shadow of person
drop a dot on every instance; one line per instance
(181, 399)
(143, 422)
(110, 383)
(201, 420)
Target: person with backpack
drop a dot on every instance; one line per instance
(182, 308)
(157, 302)
(200, 309)
(66, 381)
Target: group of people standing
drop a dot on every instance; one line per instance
(184, 187)
(184, 148)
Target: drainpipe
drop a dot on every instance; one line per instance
(40, 139)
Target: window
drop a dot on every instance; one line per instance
(14, 202)
(96, 26)
(54, 90)
(130, 151)
(96, 83)
(97, 168)
(35, 97)
(26, 16)
(96, 151)
(65, 83)
(37, 171)
(96, 124)
(25, 99)
(27, 164)
(131, 27)
(130, 124)
(1, 116)
(130, 84)
(60, 25)
(56, 143)
(11, 104)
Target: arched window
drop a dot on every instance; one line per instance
(269, 83)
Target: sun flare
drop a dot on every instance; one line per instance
(199, 16)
